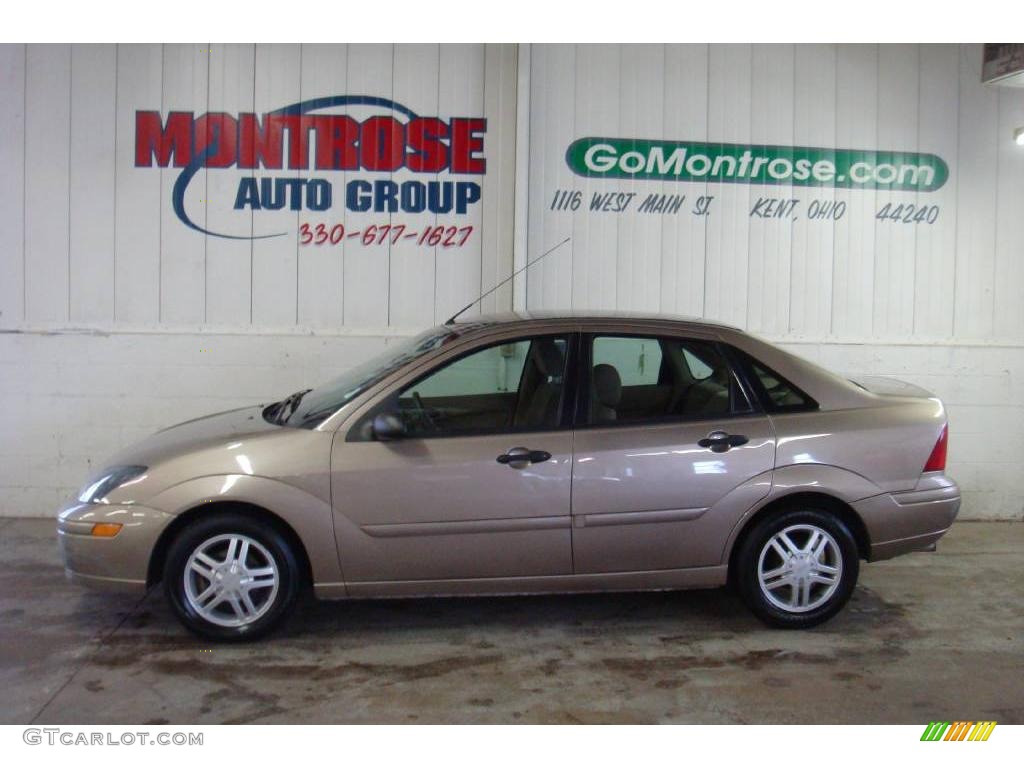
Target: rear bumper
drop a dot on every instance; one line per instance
(914, 520)
(119, 563)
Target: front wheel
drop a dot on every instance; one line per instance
(797, 569)
(231, 577)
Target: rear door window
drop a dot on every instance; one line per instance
(638, 379)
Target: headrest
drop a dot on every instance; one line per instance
(607, 385)
(547, 357)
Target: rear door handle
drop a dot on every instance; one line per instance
(720, 441)
(520, 457)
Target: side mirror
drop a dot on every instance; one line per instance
(388, 426)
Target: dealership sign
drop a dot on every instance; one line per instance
(394, 160)
(756, 164)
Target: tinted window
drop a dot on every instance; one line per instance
(321, 402)
(636, 379)
(781, 394)
(505, 387)
(638, 361)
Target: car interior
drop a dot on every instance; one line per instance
(691, 379)
(512, 386)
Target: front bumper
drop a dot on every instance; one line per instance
(119, 563)
(910, 521)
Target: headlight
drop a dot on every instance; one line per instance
(96, 490)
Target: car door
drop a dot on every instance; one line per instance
(669, 451)
(478, 486)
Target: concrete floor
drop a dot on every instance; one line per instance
(926, 637)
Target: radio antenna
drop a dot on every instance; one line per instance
(529, 264)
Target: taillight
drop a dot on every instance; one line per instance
(937, 461)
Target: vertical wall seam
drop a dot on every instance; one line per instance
(252, 214)
(707, 137)
(206, 198)
(995, 207)
(71, 129)
(664, 135)
(433, 302)
(917, 199)
(160, 222)
(24, 189)
(835, 224)
(298, 214)
(956, 201)
(874, 195)
(483, 219)
(750, 192)
(117, 80)
(792, 226)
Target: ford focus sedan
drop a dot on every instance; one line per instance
(528, 454)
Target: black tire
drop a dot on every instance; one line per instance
(278, 605)
(796, 520)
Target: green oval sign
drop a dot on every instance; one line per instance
(756, 164)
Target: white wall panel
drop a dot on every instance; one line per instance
(813, 240)
(275, 260)
(593, 253)
(552, 118)
(47, 154)
(228, 269)
(12, 184)
(461, 93)
(977, 190)
(773, 88)
(92, 178)
(139, 204)
(1008, 296)
(186, 80)
(497, 224)
(370, 70)
(641, 104)
(320, 268)
(935, 257)
(854, 247)
(729, 121)
(896, 242)
(684, 237)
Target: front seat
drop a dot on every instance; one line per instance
(542, 385)
(607, 392)
(710, 396)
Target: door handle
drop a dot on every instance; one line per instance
(520, 457)
(720, 441)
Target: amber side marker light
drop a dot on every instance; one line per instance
(106, 530)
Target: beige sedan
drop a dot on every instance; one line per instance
(528, 454)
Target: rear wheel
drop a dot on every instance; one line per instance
(798, 568)
(231, 577)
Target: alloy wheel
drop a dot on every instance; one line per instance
(231, 580)
(800, 568)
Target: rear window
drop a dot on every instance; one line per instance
(777, 393)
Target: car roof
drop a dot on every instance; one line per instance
(554, 316)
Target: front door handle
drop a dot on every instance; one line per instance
(720, 441)
(520, 457)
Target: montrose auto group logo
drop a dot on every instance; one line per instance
(394, 162)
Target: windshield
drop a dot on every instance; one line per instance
(319, 403)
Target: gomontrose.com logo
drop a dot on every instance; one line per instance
(756, 164)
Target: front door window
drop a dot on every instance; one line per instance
(507, 387)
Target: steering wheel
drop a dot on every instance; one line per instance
(423, 410)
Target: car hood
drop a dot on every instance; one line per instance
(206, 431)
